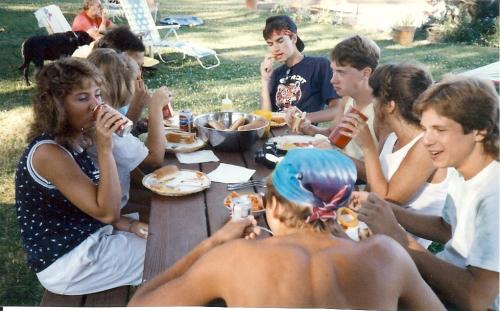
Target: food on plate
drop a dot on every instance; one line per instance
(297, 119)
(165, 173)
(181, 137)
(347, 218)
(216, 125)
(254, 198)
(279, 119)
(253, 125)
(239, 122)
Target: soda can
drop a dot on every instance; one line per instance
(186, 121)
(241, 208)
(124, 129)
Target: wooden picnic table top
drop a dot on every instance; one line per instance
(178, 224)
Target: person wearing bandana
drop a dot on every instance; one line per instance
(301, 81)
(302, 264)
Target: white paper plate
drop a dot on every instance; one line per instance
(184, 182)
(184, 148)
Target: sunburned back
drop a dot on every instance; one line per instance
(310, 271)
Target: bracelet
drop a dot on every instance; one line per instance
(130, 224)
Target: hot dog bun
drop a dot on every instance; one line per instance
(239, 122)
(278, 119)
(297, 120)
(253, 125)
(216, 125)
(166, 172)
(181, 137)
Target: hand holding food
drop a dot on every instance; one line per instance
(266, 67)
(160, 98)
(236, 229)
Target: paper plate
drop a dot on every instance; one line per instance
(184, 182)
(295, 141)
(278, 124)
(229, 200)
(150, 62)
(184, 148)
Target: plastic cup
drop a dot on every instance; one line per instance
(266, 114)
(340, 140)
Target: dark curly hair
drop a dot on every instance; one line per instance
(54, 83)
(401, 83)
(470, 101)
(121, 39)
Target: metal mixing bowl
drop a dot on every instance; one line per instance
(229, 140)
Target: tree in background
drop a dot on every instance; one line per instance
(468, 21)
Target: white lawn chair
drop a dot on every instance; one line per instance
(141, 22)
(52, 19)
(113, 9)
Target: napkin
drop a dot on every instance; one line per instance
(197, 157)
(227, 173)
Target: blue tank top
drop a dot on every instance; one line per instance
(50, 225)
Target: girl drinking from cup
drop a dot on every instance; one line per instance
(67, 209)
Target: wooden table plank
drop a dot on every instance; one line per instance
(50, 299)
(216, 212)
(115, 297)
(176, 225)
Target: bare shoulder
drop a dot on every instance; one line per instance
(382, 248)
(46, 155)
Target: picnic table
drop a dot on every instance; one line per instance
(178, 224)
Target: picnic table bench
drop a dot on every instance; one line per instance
(115, 297)
(176, 225)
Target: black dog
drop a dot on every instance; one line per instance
(36, 49)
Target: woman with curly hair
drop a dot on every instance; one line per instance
(66, 208)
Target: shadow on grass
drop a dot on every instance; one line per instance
(18, 285)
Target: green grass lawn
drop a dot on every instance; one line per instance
(232, 30)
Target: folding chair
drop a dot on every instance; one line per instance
(113, 9)
(141, 22)
(52, 19)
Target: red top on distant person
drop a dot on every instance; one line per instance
(83, 22)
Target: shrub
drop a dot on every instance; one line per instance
(468, 21)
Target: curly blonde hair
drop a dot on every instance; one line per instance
(294, 215)
(54, 83)
(118, 73)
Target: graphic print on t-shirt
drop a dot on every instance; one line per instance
(289, 92)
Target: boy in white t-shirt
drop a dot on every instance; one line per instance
(459, 116)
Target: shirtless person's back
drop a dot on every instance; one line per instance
(303, 265)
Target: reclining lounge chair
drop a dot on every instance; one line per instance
(52, 19)
(141, 22)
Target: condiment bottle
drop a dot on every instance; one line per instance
(227, 104)
(340, 140)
